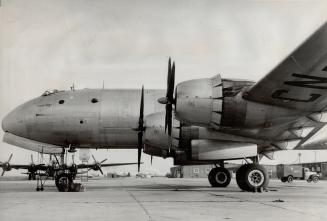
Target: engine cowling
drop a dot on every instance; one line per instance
(185, 144)
(221, 150)
(156, 141)
(199, 102)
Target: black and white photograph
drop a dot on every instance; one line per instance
(159, 110)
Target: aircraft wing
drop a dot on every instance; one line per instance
(117, 164)
(83, 166)
(19, 166)
(300, 81)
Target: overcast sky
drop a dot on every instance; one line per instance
(53, 44)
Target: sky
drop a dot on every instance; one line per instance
(54, 44)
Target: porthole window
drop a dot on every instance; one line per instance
(81, 121)
(94, 100)
(61, 102)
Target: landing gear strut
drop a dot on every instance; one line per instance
(252, 177)
(32, 176)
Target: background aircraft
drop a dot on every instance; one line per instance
(55, 168)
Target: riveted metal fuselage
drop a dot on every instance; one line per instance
(83, 118)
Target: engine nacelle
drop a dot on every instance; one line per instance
(212, 150)
(156, 141)
(199, 102)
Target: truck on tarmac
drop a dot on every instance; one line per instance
(287, 173)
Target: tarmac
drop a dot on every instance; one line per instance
(136, 199)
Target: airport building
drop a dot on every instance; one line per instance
(202, 171)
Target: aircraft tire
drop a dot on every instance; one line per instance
(252, 177)
(219, 177)
(64, 182)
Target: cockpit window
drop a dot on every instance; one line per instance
(49, 92)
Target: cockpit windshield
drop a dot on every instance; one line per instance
(49, 92)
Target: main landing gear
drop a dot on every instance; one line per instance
(250, 177)
(219, 177)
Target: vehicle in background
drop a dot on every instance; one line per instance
(287, 173)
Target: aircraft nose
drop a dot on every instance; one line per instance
(16, 121)
(12, 122)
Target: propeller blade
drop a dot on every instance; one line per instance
(141, 129)
(151, 159)
(9, 158)
(94, 159)
(139, 151)
(171, 85)
(169, 75)
(169, 100)
(100, 170)
(32, 159)
(3, 172)
(142, 108)
(103, 161)
(168, 118)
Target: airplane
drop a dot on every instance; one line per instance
(200, 121)
(60, 171)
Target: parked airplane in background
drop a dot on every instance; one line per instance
(60, 171)
(200, 121)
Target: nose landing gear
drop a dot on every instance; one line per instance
(64, 183)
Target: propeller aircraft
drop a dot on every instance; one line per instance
(61, 172)
(200, 121)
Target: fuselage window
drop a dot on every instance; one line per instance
(61, 102)
(94, 100)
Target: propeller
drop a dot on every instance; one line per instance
(97, 165)
(6, 166)
(169, 100)
(140, 130)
